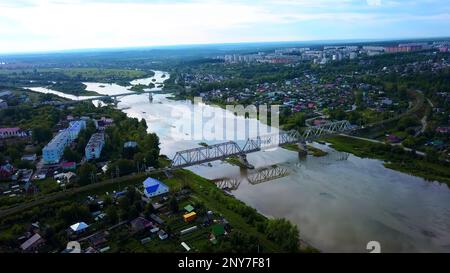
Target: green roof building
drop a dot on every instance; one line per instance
(189, 208)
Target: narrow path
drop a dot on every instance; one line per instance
(382, 142)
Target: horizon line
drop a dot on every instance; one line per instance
(193, 45)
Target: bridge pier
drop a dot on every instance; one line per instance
(302, 149)
(244, 161)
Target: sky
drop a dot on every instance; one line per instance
(48, 25)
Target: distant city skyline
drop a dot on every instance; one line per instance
(53, 25)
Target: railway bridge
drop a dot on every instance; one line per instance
(221, 151)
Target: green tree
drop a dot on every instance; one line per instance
(85, 173)
(173, 204)
(295, 121)
(125, 167)
(338, 114)
(112, 216)
(41, 134)
(73, 213)
(71, 155)
(410, 142)
(284, 233)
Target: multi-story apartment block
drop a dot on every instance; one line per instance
(54, 150)
(94, 147)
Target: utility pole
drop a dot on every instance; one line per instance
(118, 175)
(92, 178)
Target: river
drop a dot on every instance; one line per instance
(339, 204)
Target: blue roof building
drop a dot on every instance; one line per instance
(79, 227)
(153, 187)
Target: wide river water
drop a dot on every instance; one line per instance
(339, 204)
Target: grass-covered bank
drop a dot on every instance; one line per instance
(243, 218)
(311, 150)
(395, 157)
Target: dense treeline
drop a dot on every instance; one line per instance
(69, 80)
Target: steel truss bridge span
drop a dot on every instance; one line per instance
(228, 149)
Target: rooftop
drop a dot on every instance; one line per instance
(9, 130)
(152, 185)
(96, 140)
(28, 243)
(59, 139)
(189, 208)
(79, 226)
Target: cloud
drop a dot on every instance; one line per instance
(375, 3)
(66, 24)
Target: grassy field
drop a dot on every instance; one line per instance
(394, 159)
(234, 160)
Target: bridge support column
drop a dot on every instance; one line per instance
(302, 149)
(244, 161)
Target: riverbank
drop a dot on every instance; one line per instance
(222, 105)
(240, 215)
(395, 158)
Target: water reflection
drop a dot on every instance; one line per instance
(253, 177)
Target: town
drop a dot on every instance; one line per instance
(78, 176)
(132, 206)
(361, 89)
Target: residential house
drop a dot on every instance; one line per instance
(29, 157)
(140, 224)
(393, 138)
(69, 166)
(153, 187)
(98, 239)
(443, 130)
(130, 145)
(6, 171)
(3, 104)
(189, 217)
(33, 243)
(78, 227)
(12, 132)
(103, 123)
